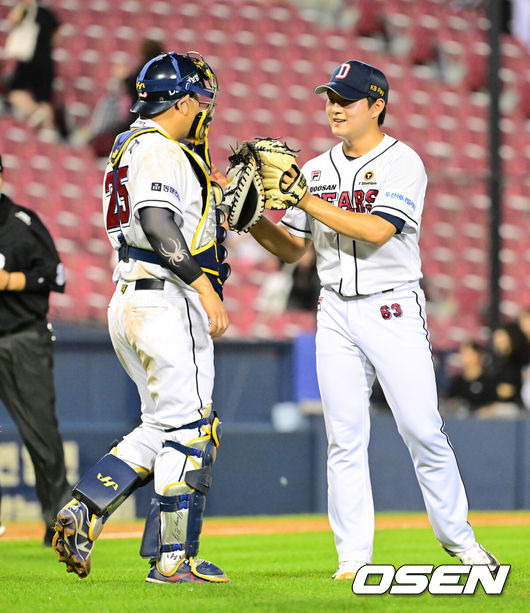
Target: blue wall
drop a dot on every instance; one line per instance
(260, 470)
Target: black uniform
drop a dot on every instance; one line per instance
(475, 393)
(26, 359)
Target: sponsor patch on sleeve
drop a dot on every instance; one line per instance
(168, 189)
(402, 198)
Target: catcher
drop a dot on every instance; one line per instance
(160, 215)
(371, 311)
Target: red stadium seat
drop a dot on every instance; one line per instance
(264, 54)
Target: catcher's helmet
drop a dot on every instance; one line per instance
(170, 76)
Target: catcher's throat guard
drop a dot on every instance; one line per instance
(198, 134)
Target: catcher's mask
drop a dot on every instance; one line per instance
(170, 76)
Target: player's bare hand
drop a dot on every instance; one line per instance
(213, 305)
(215, 309)
(218, 176)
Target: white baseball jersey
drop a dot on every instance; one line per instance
(161, 336)
(391, 180)
(154, 171)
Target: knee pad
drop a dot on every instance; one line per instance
(106, 485)
(174, 520)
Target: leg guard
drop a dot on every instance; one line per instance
(107, 483)
(79, 523)
(174, 521)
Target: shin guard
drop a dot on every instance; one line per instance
(174, 521)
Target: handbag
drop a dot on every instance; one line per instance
(21, 41)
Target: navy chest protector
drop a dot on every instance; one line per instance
(211, 257)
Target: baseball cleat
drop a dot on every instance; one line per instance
(477, 555)
(347, 570)
(2, 529)
(189, 570)
(72, 537)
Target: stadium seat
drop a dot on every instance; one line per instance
(264, 56)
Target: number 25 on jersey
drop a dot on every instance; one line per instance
(117, 206)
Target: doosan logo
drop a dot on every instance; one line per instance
(414, 579)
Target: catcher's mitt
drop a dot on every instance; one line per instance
(244, 197)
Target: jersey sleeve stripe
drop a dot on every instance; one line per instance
(294, 227)
(392, 208)
(398, 222)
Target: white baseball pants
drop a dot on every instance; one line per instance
(162, 339)
(384, 334)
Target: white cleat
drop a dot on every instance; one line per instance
(2, 529)
(477, 555)
(347, 570)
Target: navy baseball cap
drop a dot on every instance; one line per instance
(354, 80)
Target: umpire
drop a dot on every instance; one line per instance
(29, 269)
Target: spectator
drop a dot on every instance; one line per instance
(305, 288)
(29, 269)
(112, 113)
(149, 49)
(31, 86)
(524, 325)
(510, 354)
(472, 389)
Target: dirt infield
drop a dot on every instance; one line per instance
(275, 525)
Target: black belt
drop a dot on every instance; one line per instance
(149, 284)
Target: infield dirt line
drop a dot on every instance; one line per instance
(273, 525)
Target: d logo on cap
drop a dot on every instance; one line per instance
(343, 72)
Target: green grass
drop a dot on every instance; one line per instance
(287, 572)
